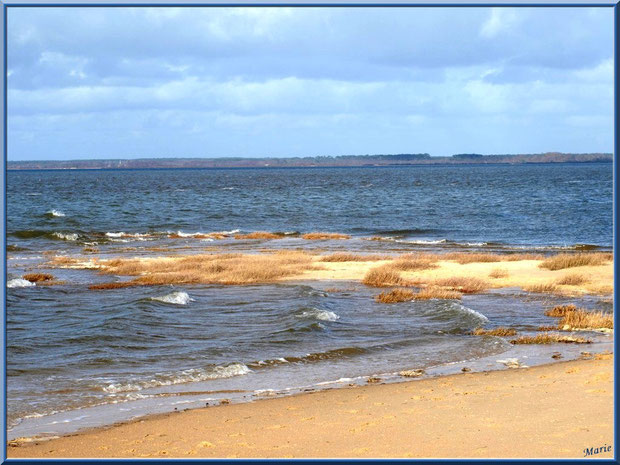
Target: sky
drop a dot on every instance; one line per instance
(88, 83)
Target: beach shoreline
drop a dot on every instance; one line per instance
(559, 410)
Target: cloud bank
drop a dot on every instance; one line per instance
(207, 82)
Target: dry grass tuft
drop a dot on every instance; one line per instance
(517, 257)
(574, 279)
(351, 257)
(383, 276)
(561, 310)
(260, 235)
(583, 319)
(38, 277)
(320, 236)
(117, 285)
(566, 260)
(463, 257)
(434, 292)
(547, 328)
(413, 262)
(395, 295)
(549, 338)
(466, 285)
(541, 288)
(498, 273)
(501, 331)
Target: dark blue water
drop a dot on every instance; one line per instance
(76, 351)
(540, 205)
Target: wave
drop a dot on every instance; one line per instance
(177, 298)
(405, 232)
(56, 213)
(339, 353)
(422, 241)
(66, 236)
(471, 311)
(186, 376)
(19, 282)
(318, 314)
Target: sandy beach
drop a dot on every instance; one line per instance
(555, 410)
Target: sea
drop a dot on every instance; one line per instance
(78, 358)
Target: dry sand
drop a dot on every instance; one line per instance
(554, 410)
(522, 273)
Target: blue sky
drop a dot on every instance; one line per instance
(210, 82)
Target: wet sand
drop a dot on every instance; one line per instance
(555, 410)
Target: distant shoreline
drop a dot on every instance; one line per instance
(353, 161)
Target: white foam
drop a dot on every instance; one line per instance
(424, 242)
(66, 237)
(317, 314)
(471, 312)
(177, 298)
(55, 213)
(19, 282)
(186, 376)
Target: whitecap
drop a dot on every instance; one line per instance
(67, 236)
(19, 282)
(318, 314)
(55, 213)
(471, 312)
(177, 298)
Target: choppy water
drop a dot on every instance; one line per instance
(76, 351)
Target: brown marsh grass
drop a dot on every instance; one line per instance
(542, 288)
(395, 295)
(116, 285)
(547, 328)
(583, 319)
(567, 260)
(320, 236)
(574, 279)
(549, 338)
(351, 257)
(517, 257)
(383, 276)
(464, 257)
(434, 292)
(211, 268)
(561, 310)
(260, 235)
(498, 273)
(464, 284)
(501, 331)
(413, 262)
(38, 277)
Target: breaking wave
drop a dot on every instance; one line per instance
(318, 314)
(177, 298)
(56, 213)
(186, 376)
(19, 282)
